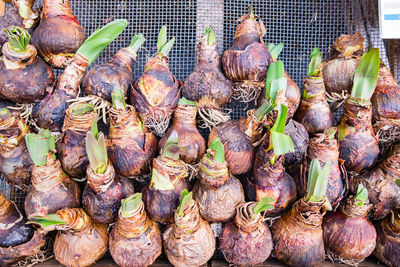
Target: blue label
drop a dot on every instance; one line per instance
(392, 17)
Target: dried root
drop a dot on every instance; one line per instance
(144, 178)
(45, 254)
(389, 134)
(210, 117)
(247, 91)
(192, 169)
(270, 220)
(25, 111)
(157, 123)
(336, 100)
(333, 258)
(101, 106)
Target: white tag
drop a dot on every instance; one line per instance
(389, 19)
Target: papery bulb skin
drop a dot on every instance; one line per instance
(348, 234)
(324, 149)
(49, 113)
(217, 192)
(238, 137)
(18, 240)
(72, 146)
(83, 242)
(207, 85)
(103, 193)
(15, 161)
(292, 94)
(51, 190)
(246, 62)
(189, 241)
(299, 135)
(116, 73)
(59, 34)
(338, 71)
(271, 181)
(156, 94)
(388, 239)
(131, 147)
(15, 67)
(135, 241)
(246, 241)
(358, 145)
(314, 112)
(191, 142)
(383, 192)
(298, 235)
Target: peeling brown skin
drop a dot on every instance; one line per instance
(15, 161)
(161, 204)
(248, 58)
(11, 255)
(59, 34)
(298, 236)
(386, 98)
(10, 18)
(348, 233)
(314, 112)
(191, 142)
(135, 241)
(324, 149)
(103, 207)
(383, 192)
(292, 94)
(359, 148)
(16, 67)
(116, 73)
(388, 240)
(338, 71)
(272, 181)
(239, 149)
(13, 230)
(130, 148)
(299, 135)
(157, 91)
(44, 198)
(80, 247)
(72, 146)
(207, 85)
(189, 241)
(49, 113)
(245, 242)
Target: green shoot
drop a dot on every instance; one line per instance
(398, 182)
(186, 102)
(251, 11)
(82, 109)
(219, 149)
(46, 221)
(131, 203)
(118, 99)
(210, 36)
(315, 62)
(264, 204)
(264, 109)
(317, 181)
(275, 50)
(100, 39)
(39, 146)
(366, 76)
(361, 195)
(331, 133)
(171, 149)
(280, 142)
(97, 152)
(163, 46)
(136, 42)
(276, 80)
(18, 38)
(186, 203)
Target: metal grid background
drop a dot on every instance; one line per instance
(301, 25)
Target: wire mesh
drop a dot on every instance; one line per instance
(301, 25)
